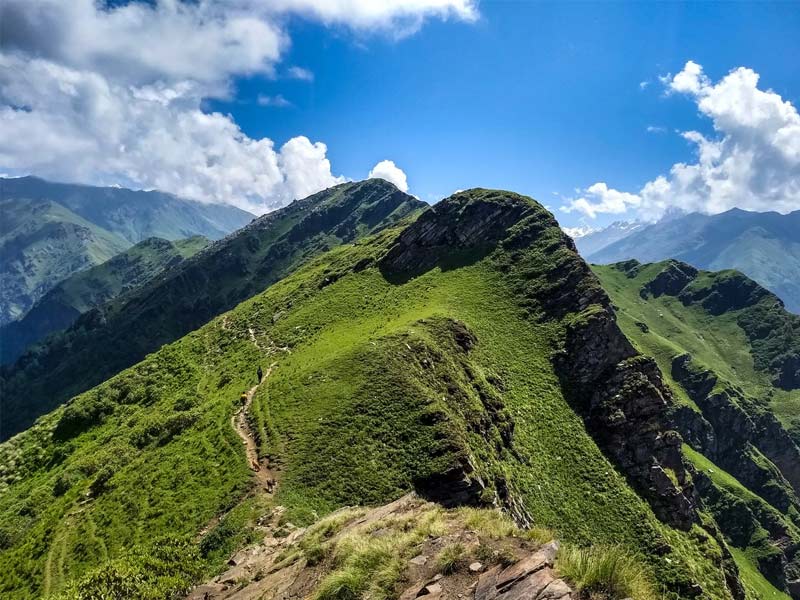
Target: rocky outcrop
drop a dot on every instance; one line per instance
(735, 432)
(294, 564)
(625, 402)
(740, 440)
(670, 281)
(460, 229)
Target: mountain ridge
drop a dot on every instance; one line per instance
(92, 287)
(764, 246)
(186, 297)
(48, 231)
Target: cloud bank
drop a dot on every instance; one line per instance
(115, 95)
(753, 161)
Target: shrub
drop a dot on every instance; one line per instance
(604, 572)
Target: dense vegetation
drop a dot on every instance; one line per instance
(418, 358)
(729, 350)
(110, 338)
(48, 231)
(93, 287)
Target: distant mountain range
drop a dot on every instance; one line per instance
(90, 288)
(590, 240)
(763, 246)
(48, 231)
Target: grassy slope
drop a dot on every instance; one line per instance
(102, 343)
(92, 287)
(755, 583)
(717, 342)
(42, 243)
(352, 415)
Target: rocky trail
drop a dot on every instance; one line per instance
(285, 566)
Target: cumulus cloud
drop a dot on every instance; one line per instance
(110, 95)
(386, 169)
(751, 162)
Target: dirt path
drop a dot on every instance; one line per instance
(265, 478)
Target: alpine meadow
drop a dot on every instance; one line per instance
(399, 300)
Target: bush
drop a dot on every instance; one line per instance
(82, 414)
(604, 572)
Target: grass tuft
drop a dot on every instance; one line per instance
(604, 573)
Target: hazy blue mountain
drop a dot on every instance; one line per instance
(92, 287)
(48, 231)
(763, 246)
(589, 241)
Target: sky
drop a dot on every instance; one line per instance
(601, 111)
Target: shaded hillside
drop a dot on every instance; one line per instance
(93, 287)
(763, 246)
(42, 243)
(108, 339)
(470, 356)
(48, 231)
(732, 354)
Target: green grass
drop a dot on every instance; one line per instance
(371, 395)
(755, 584)
(607, 572)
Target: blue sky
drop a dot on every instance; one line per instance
(537, 98)
(546, 99)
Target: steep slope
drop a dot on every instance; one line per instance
(763, 246)
(48, 231)
(732, 354)
(470, 356)
(93, 287)
(106, 340)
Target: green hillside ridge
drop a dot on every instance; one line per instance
(765, 246)
(48, 231)
(443, 357)
(120, 333)
(93, 287)
(730, 352)
(42, 243)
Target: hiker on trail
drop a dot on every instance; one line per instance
(260, 374)
(243, 399)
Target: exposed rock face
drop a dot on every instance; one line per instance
(530, 578)
(460, 227)
(627, 411)
(735, 439)
(733, 431)
(671, 280)
(627, 408)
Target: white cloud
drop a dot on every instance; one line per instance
(111, 95)
(752, 162)
(599, 198)
(386, 169)
(300, 73)
(277, 101)
(643, 84)
(399, 17)
(656, 129)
